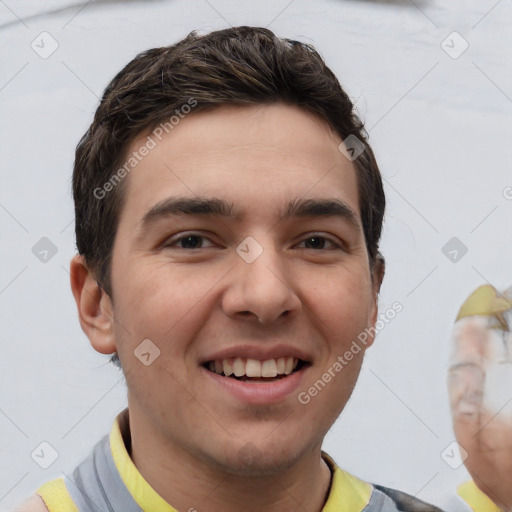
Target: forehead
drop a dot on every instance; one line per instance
(256, 156)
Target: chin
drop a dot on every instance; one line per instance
(252, 460)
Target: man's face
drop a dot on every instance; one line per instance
(241, 292)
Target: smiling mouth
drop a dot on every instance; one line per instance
(253, 370)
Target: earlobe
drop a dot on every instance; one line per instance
(94, 307)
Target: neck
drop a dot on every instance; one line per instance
(189, 483)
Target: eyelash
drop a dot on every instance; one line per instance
(171, 243)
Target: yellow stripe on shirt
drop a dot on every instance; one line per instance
(348, 493)
(476, 499)
(56, 497)
(145, 496)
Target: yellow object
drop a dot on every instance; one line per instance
(56, 496)
(145, 496)
(347, 494)
(486, 301)
(476, 499)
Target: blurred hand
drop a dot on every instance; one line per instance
(480, 386)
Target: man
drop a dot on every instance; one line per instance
(228, 216)
(480, 380)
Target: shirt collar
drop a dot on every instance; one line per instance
(475, 498)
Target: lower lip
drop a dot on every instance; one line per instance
(260, 392)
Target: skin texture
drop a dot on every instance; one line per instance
(32, 504)
(197, 445)
(483, 429)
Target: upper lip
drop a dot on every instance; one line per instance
(257, 352)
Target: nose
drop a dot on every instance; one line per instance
(262, 289)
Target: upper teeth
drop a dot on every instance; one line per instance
(254, 368)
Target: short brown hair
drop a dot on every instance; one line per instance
(236, 66)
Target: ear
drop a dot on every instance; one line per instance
(379, 269)
(94, 306)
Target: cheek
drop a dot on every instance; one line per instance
(163, 304)
(327, 401)
(342, 299)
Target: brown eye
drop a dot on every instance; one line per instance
(317, 242)
(190, 241)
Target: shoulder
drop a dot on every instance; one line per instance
(33, 504)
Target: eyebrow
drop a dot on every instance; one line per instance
(306, 208)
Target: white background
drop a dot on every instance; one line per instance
(441, 129)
